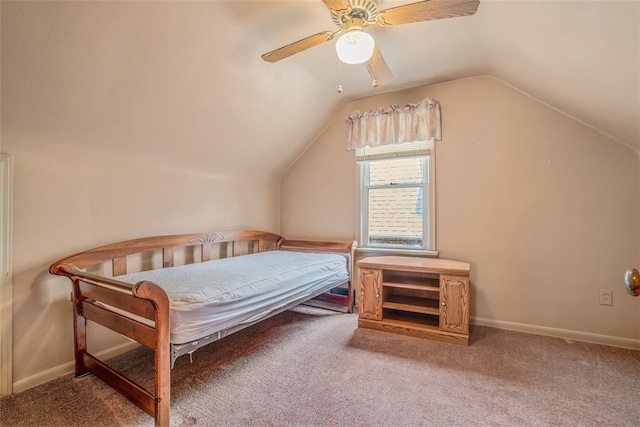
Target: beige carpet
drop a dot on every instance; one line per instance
(311, 367)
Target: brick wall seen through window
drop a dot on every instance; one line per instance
(395, 201)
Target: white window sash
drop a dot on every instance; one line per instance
(427, 219)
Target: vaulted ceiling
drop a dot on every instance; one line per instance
(183, 82)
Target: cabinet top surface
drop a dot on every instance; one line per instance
(415, 263)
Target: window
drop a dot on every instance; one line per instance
(396, 197)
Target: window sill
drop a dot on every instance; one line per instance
(388, 251)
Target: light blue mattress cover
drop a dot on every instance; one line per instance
(212, 296)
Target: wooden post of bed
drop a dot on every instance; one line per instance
(79, 334)
(162, 357)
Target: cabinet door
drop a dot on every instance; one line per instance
(454, 304)
(370, 305)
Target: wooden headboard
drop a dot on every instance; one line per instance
(117, 253)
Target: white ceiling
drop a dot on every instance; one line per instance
(184, 80)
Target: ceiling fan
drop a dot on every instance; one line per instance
(355, 46)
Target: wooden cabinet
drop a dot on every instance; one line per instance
(424, 297)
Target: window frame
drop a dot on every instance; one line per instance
(428, 195)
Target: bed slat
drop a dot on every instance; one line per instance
(167, 257)
(128, 388)
(119, 266)
(236, 247)
(206, 252)
(137, 331)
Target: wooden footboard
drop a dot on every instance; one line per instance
(342, 248)
(141, 311)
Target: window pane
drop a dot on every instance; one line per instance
(395, 216)
(404, 170)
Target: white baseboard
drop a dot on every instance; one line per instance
(66, 368)
(559, 333)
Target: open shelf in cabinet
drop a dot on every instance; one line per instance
(411, 280)
(410, 319)
(416, 294)
(434, 287)
(412, 304)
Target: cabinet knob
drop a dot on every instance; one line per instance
(443, 303)
(377, 296)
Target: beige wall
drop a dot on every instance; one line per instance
(118, 131)
(544, 208)
(67, 200)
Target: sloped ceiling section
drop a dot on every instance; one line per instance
(180, 83)
(183, 82)
(581, 57)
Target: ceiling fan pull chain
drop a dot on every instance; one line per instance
(339, 90)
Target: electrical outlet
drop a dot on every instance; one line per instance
(606, 297)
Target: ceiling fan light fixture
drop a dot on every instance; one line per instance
(355, 47)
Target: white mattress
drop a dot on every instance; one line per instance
(208, 297)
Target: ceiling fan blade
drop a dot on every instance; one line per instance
(297, 47)
(427, 10)
(336, 4)
(378, 68)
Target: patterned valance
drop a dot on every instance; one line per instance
(395, 125)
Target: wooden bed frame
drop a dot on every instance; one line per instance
(92, 291)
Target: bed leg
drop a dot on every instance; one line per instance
(351, 292)
(163, 383)
(162, 414)
(80, 340)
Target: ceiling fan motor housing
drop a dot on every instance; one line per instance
(352, 16)
(365, 10)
